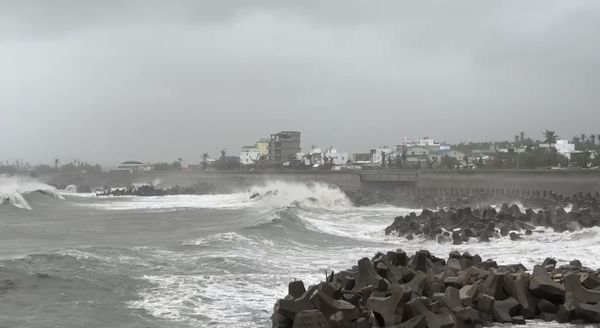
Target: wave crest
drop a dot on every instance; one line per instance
(14, 188)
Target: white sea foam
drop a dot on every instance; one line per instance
(274, 194)
(250, 274)
(232, 279)
(13, 189)
(171, 202)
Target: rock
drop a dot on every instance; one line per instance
(362, 323)
(590, 313)
(548, 316)
(467, 317)
(296, 289)
(504, 310)
(575, 263)
(416, 284)
(279, 321)
(542, 286)
(385, 307)
(441, 320)
(467, 294)
(518, 320)
(546, 306)
(310, 319)
(451, 299)
(518, 289)
(328, 306)
(549, 262)
(576, 294)
(419, 262)
(486, 305)
(514, 236)
(417, 321)
(366, 275)
(456, 238)
(398, 274)
(591, 281)
(417, 306)
(290, 307)
(452, 282)
(454, 264)
(495, 286)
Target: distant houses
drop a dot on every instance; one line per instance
(133, 166)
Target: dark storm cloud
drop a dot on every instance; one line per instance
(151, 80)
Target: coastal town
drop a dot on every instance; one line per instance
(283, 151)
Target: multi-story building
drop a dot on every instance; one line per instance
(284, 146)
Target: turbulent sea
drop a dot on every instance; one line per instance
(202, 261)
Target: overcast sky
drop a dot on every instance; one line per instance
(107, 81)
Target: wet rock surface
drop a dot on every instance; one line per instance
(395, 290)
(460, 225)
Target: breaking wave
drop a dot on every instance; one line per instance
(13, 190)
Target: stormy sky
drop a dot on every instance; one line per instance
(107, 81)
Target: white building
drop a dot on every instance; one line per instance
(250, 155)
(564, 147)
(337, 158)
(376, 154)
(427, 142)
(133, 166)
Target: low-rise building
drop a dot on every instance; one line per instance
(249, 155)
(564, 147)
(133, 166)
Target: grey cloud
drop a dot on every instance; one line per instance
(153, 80)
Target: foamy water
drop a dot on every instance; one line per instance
(223, 260)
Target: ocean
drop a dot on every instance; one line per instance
(78, 260)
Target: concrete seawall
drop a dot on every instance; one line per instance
(507, 182)
(225, 181)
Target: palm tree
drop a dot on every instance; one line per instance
(204, 161)
(550, 137)
(56, 163)
(583, 138)
(223, 153)
(576, 141)
(593, 139)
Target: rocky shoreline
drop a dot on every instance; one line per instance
(412, 199)
(460, 225)
(150, 190)
(397, 290)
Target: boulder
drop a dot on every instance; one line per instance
(576, 294)
(467, 294)
(310, 319)
(517, 288)
(504, 310)
(417, 321)
(290, 307)
(542, 286)
(451, 299)
(590, 312)
(329, 306)
(384, 308)
(546, 306)
(296, 289)
(366, 275)
(591, 281)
